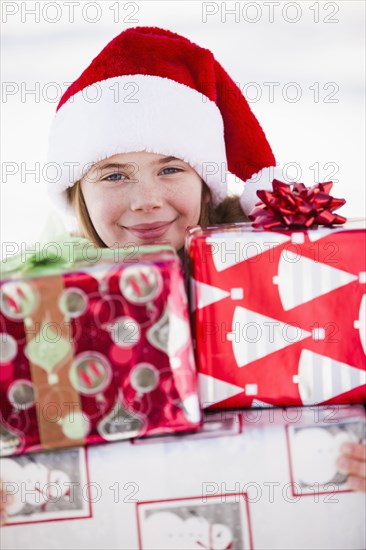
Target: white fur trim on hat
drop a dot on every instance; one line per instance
(137, 113)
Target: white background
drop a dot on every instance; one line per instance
(319, 46)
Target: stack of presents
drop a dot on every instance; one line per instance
(146, 409)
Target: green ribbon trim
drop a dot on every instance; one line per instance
(59, 255)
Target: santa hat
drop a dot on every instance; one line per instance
(153, 90)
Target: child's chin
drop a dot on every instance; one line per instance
(158, 241)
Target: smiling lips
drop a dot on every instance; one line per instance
(149, 230)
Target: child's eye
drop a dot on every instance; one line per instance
(171, 168)
(114, 177)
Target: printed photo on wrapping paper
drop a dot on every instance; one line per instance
(313, 452)
(213, 523)
(47, 486)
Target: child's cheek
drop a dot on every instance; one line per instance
(108, 210)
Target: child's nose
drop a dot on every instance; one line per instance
(146, 196)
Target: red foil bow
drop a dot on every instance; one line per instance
(296, 206)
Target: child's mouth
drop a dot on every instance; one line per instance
(149, 230)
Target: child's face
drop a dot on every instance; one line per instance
(142, 198)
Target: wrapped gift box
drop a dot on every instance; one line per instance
(279, 316)
(98, 352)
(274, 485)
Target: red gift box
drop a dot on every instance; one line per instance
(99, 352)
(279, 316)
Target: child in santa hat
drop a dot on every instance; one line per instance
(144, 140)
(145, 137)
(151, 154)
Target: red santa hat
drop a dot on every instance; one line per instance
(153, 90)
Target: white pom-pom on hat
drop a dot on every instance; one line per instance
(261, 180)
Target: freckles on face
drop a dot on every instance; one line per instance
(188, 205)
(104, 210)
(129, 191)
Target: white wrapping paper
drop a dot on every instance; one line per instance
(258, 479)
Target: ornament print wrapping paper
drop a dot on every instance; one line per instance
(99, 352)
(269, 486)
(279, 316)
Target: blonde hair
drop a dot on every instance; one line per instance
(228, 211)
(75, 198)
